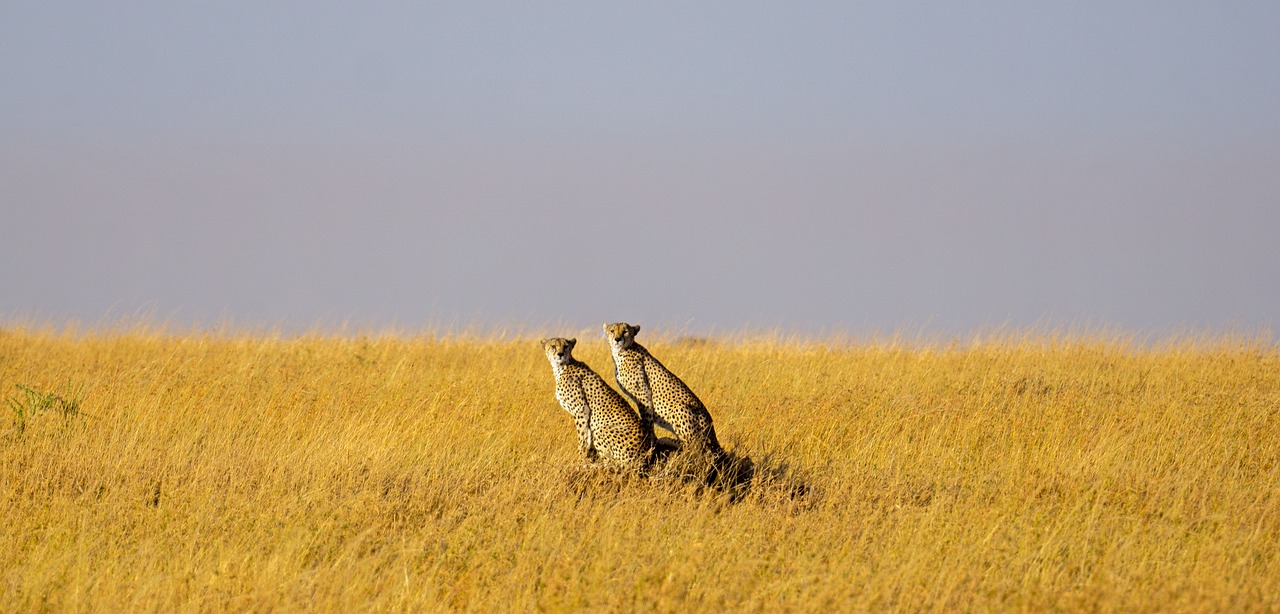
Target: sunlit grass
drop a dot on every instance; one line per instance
(1012, 471)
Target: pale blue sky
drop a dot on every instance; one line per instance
(804, 166)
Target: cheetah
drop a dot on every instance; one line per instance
(662, 397)
(608, 429)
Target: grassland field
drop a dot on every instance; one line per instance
(144, 470)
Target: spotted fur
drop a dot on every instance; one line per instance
(609, 430)
(661, 396)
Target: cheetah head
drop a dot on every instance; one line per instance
(558, 349)
(620, 335)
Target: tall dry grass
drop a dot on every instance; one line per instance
(194, 472)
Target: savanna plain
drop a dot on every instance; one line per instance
(150, 470)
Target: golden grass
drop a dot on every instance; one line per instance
(221, 472)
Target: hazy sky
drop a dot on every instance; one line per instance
(690, 166)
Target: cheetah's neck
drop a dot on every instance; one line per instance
(635, 348)
(561, 367)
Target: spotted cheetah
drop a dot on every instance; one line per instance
(662, 397)
(608, 429)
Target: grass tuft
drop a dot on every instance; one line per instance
(31, 402)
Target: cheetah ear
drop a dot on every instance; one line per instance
(605, 326)
(542, 342)
(635, 329)
(572, 342)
